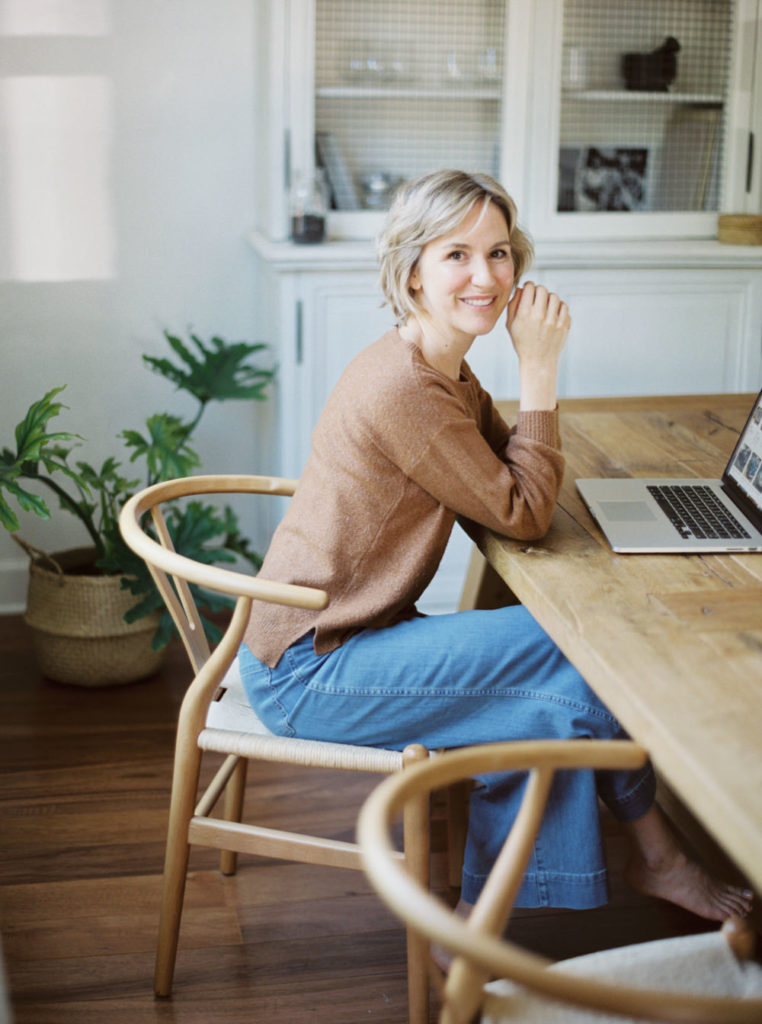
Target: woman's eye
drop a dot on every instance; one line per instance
(457, 255)
(500, 254)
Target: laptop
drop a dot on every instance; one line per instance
(663, 516)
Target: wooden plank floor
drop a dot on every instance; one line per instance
(85, 789)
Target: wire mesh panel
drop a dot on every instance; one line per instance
(404, 88)
(643, 104)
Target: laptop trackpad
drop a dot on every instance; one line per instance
(627, 511)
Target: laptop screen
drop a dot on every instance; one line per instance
(743, 473)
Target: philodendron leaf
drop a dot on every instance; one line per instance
(165, 450)
(34, 445)
(7, 516)
(198, 531)
(31, 433)
(28, 503)
(218, 372)
(194, 528)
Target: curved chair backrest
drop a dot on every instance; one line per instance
(481, 952)
(165, 563)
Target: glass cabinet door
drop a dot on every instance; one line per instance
(646, 136)
(604, 118)
(404, 88)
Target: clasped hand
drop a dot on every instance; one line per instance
(538, 323)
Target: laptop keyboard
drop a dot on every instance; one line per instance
(696, 511)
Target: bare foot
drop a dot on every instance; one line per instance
(658, 867)
(688, 885)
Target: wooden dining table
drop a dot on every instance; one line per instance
(671, 643)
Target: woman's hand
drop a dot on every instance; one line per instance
(538, 322)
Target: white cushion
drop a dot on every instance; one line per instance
(698, 964)
(233, 711)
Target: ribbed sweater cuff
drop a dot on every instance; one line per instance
(540, 426)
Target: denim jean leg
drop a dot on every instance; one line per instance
(578, 878)
(450, 681)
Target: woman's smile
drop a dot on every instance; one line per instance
(462, 282)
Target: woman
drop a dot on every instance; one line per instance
(408, 441)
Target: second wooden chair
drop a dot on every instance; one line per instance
(650, 981)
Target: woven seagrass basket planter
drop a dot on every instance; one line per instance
(77, 623)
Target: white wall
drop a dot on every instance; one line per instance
(128, 178)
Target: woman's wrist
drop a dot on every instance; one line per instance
(538, 388)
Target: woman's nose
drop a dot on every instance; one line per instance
(481, 272)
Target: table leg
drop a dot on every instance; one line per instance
(483, 587)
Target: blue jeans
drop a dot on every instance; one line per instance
(455, 680)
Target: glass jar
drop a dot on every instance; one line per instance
(308, 204)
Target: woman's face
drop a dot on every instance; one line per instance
(463, 280)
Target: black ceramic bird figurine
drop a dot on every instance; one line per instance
(652, 72)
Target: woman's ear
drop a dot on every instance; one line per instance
(414, 281)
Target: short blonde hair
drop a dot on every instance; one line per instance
(427, 208)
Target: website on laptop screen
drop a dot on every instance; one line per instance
(745, 467)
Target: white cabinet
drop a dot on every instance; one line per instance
(509, 86)
(532, 91)
(648, 318)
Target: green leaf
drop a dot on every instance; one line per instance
(164, 631)
(234, 542)
(54, 460)
(220, 372)
(7, 516)
(165, 449)
(29, 502)
(107, 480)
(34, 445)
(194, 528)
(198, 531)
(31, 435)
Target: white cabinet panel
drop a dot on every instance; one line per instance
(653, 332)
(339, 315)
(346, 317)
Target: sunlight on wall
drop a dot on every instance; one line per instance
(55, 160)
(55, 17)
(58, 133)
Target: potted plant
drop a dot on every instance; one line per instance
(95, 614)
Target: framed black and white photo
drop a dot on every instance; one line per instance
(604, 178)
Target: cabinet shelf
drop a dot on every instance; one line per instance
(627, 96)
(452, 94)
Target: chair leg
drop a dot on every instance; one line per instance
(741, 937)
(233, 811)
(182, 803)
(457, 827)
(416, 840)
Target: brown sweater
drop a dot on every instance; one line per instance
(399, 451)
